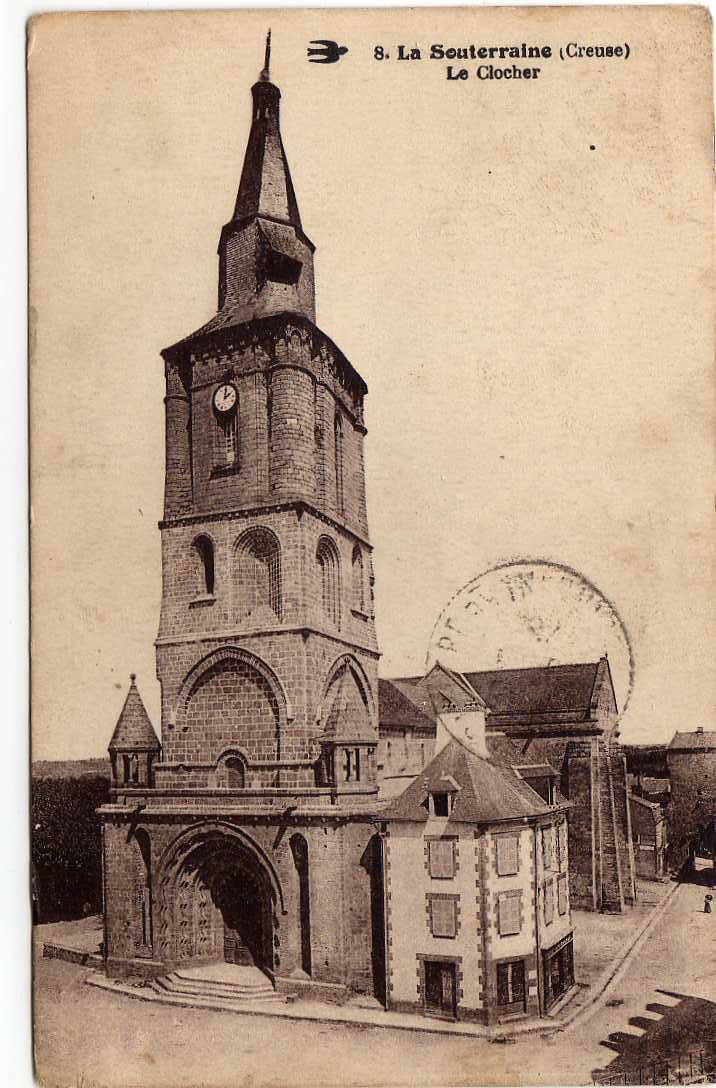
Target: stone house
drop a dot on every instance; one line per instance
(478, 915)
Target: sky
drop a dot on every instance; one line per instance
(521, 271)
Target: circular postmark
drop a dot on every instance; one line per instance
(532, 612)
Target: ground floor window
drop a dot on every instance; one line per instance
(558, 970)
(440, 988)
(511, 985)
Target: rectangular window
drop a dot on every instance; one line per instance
(508, 854)
(441, 858)
(509, 911)
(547, 847)
(562, 893)
(443, 916)
(511, 983)
(441, 804)
(548, 901)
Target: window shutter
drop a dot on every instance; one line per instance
(508, 847)
(548, 901)
(443, 917)
(547, 847)
(562, 893)
(508, 913)
(441, 855)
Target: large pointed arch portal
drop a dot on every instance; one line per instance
(220, 899)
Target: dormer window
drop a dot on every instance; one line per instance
(441, 804)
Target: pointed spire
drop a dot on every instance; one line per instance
(266, 187)
(271, 269)
(134, 731)
(265, 72)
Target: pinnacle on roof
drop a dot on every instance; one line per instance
(134, 731)
(265, 71)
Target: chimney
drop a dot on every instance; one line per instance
(465, 724)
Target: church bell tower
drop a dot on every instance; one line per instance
(251, 838)
(267, 563)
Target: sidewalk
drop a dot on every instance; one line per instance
(603, 943)
(77, 942)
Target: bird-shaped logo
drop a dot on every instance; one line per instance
(327, 53)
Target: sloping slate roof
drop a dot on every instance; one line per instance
(551, 689)
(266, 187)
(703, 739)
(545, 690)
(134, 729)
(503, 750)
(400, 704)
(347, 717)
(487, 792)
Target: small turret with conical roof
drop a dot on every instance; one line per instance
(134, 745)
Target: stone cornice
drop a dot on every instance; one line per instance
(238, 633)
(299, 505)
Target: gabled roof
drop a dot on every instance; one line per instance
(544, 693)
(487, 792)
(698, 741)
(402, 704)
(134, 730)
(551, 689)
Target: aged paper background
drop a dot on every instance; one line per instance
(521, 271)
(533, 319)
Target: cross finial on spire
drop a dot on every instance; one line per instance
(267, 59)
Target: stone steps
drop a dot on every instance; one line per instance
(247, 985)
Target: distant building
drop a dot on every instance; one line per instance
(478, 919)
(691, 814)
(561, 722)
(648, 823)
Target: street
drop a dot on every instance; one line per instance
(667, 1003)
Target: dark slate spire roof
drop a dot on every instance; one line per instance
(487, 793)
(266, 188)
(133, 729)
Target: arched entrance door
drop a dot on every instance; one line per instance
(218, 904)
(240, 902)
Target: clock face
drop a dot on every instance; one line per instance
(225, 398)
